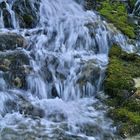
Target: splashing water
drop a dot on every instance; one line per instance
(68, 52)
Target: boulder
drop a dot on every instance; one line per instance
(16, 67)
(24, 107)
(26, 12)
(11, 41)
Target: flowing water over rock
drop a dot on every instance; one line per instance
(52, 72)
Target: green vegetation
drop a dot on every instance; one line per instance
(28, 19)
(116, 13)
(120, 87)
(122, 69)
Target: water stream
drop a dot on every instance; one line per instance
(68, 56)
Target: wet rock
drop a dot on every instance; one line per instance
(90, 73)
(7, 19)
(6, 15)
(60, 135)
(11, 41)
(26, 12)
(54, 92)
(24, 107)
(90, 4)
(56, 116)
(2, 5)
(15, 66)
(90, 129)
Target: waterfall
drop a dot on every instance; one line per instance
(136, 10)
(67, 49)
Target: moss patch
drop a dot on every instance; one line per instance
(116, 13)
(120, 87)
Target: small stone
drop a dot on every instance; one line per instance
(18, 82)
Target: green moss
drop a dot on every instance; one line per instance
(124, 115)
(116, 13)
(120, 87)
(28, 19)
(122, 69)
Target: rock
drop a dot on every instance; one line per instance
(15, 66)
(26, 12)
(17, 82)
(90, 4)
(137, 85)
(24, 107)
(6, 15)
(7, 19)
(54, 92)
(90, 73)
(11, 41)
(2, 5)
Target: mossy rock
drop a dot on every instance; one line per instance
(26, 12)
(116, 13)
(122, 69)
(120, 86)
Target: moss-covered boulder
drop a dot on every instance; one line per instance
(122, 90)
(116, 12)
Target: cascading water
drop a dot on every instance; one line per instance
(68, 54)
(136, 10)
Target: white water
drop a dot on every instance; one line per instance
(68, 53)
(137, 8)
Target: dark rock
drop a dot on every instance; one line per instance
(24, 107)
(15, 66)
(54, 92)
(2, 5)
(6, 15)
(56, 116)
(90, 73)
(11, 41)
(90, 4)
(7, 19)
(26, 12)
